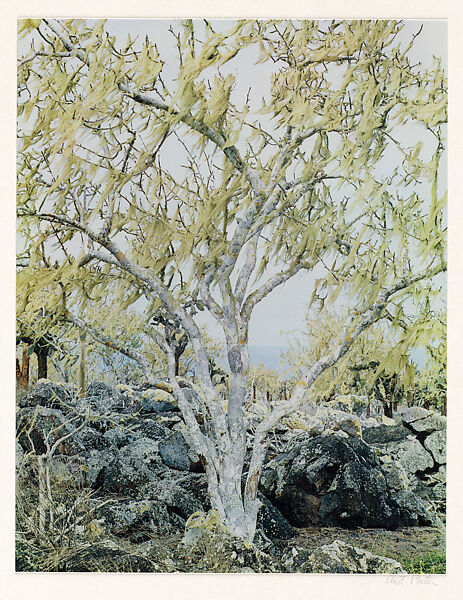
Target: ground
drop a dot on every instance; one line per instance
(409, 545)
(418, 549)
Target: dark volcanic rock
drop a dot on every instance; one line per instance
(176, 499)
(194, 484)
(383, 434)
(40, 426)
(104, 399)
(157, 401)
(272, 522)
(147, 427)
(174, 453)
(136, 519)
(88, 439)
(48, 394)
(335, 482)
(134, 465)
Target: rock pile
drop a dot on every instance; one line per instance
(330, 467)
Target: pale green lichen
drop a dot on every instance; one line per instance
(346, 400)
(122, 387)
(201, 526)
(296, 422)
(159, 396)
(206, 521)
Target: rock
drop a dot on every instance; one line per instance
(349, 425)
(387, 420)
(135, 518)
(49, 394)
(175, 453)
(414, 413)
(436, 443)
(150, 428)
(157, 401)
(429, 424)
(396, 476)
(272, 522)
(413, 510)
(332, 482)
(104, 399)
(436, 487)
(340, 557)
(325, 420)
(358, 496)
(411, 454)
(40, 426)
(133, 466)
(176, 499)
(88, 439)
(293, 557)
(118, 438)
(383, 434)
(195, 484)
(19, 458)
(95, 462)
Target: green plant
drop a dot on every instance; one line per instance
(432, 563)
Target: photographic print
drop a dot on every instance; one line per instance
(231, 296)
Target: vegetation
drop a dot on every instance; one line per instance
(151, 189)
(371, 369)
(432, 563)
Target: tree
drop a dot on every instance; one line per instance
(196, 194)
(380, 361)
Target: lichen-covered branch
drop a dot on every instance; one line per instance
(364, 319)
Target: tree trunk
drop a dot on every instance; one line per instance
(22, 372)
(42, 354)
(82, 383)
(239, 517)
(387, 409)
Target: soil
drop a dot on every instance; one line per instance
(406, 543)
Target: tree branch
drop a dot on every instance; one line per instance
(109, 342)
(369, 315)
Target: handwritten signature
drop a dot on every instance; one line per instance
(410, 579)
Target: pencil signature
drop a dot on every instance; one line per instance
(411, 579)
